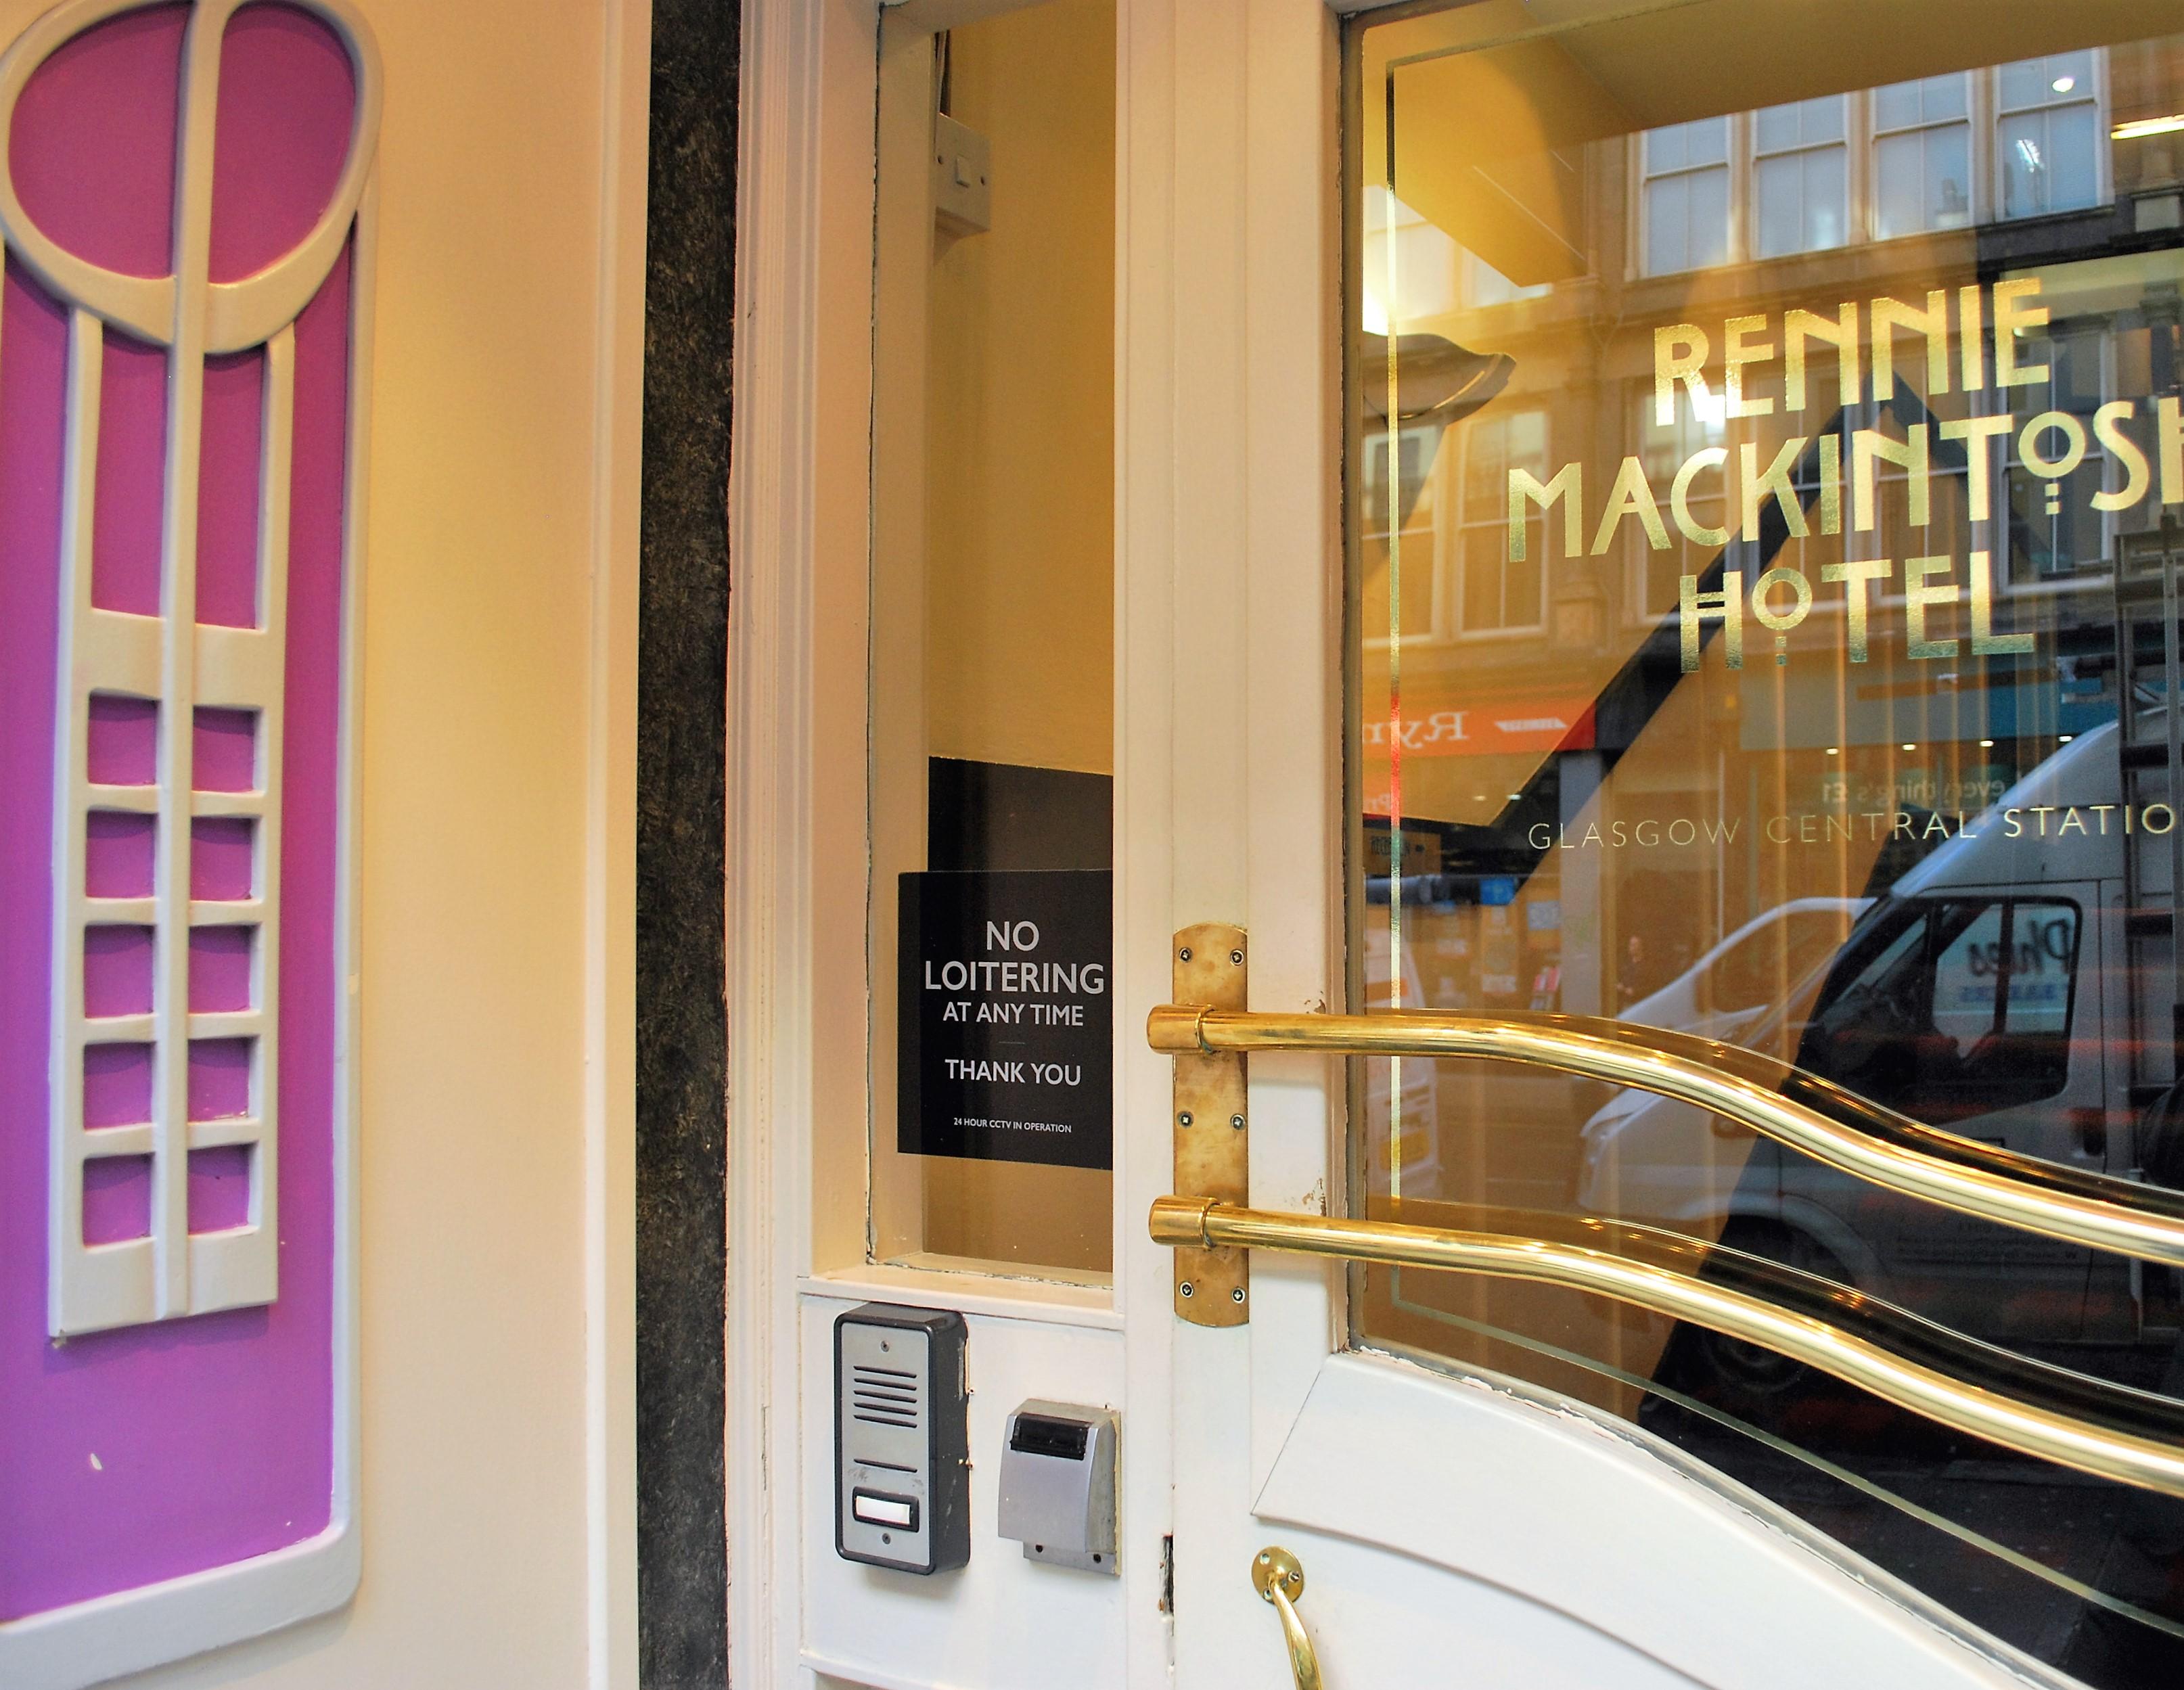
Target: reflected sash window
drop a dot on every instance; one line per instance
(1687, 197)
(1922, 156)
(1803, 177)
(1499, 594)
(2048, 135)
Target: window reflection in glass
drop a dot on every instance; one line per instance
(1687, 195)
(2049, 135)
(1922, 156)
(1816, 701)
(1803, 177)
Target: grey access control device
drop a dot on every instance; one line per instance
(902, 1457)
(1058, 1485)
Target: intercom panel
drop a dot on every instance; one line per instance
(902, 1469)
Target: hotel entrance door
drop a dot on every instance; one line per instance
(1763, 459)
(1598, 608)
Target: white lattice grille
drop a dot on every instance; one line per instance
(181, 669)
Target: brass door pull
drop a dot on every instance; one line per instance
(1850, 1133)
(1277, 1578)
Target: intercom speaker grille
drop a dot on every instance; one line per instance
(886, 1397)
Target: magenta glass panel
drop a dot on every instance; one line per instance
(117, 1085)
(220, 1187)
(127, 509)
(220, 853)
(117, 1199)
(224, 757)
(219, 1079)
(122, 746)
(117, 971)
(93, 143)
(119, 852)
(239, 1459)
(281, 72)
(220, 969)
(228, 490)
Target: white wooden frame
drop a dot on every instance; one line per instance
(802, 64)
(1227, 756)
(181, 666)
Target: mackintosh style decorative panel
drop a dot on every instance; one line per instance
(184, 203)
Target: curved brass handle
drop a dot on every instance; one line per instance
(1277, 1578)
(2084, 1423)
(1826, 1121)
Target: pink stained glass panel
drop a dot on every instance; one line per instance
(227, 493)
(117, 1085)
(121, 741)
(121, 850)
(117, 1199)
(127, 506)
(220, 960)
(117, 971)
(224, 754)
(219, 1079)
(221, 853)
(220, 1187)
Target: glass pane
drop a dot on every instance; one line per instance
(1968, 980)
(2069, 73)
(1826, 194)
(1901, 189)
(2023, 144)
(1667, 225)
(2024, 84)
(1781, 205)
(1941, 96)
(1808, 690)
(1706, 242)
(1947, 176)
(1667, 149)
(992, 645)
(1776, 128)
(2073, 145)
(1706, 140)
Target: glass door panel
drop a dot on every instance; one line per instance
(992, 644)
(1765, 472)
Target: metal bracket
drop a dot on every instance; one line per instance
(1212, 1123)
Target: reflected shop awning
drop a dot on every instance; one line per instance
(1442, 718)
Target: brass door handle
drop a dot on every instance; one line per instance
(2036, 1407)
(1850, 1133)
(1277, 1578)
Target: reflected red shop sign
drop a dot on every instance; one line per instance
(1430, 729)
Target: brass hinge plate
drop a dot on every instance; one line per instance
(1211, 1123)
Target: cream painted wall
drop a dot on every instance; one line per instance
(499, 748)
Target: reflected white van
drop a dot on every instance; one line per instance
(1988, 993)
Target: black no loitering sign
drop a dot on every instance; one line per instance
(1005, 1047)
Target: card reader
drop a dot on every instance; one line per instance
(1058, 1485)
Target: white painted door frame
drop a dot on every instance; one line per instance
(1542, 1543)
